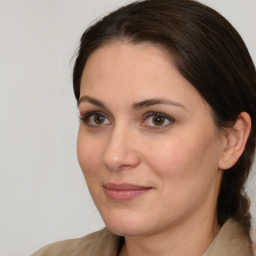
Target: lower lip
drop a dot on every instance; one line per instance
(124, 195)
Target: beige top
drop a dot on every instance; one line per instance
(231, 240)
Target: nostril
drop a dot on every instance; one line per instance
(125, 167)
(124, 161)
(121, 152)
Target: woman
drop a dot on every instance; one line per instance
(166, 91)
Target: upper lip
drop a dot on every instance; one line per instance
(125, 186)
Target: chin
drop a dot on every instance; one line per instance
(122, 229)
(125, 223)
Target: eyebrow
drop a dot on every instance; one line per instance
(151, 102)
(92, 101)
(135, 106)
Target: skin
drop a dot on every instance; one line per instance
(179, 157)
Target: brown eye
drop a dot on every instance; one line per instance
(95, 119)
(99, 119)
(157, 120)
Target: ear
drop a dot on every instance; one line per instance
(234, 141)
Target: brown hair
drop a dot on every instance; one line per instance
(210, 54)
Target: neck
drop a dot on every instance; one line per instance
(187, 239)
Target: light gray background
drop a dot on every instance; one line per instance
(43, 195)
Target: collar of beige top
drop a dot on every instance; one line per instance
(230, 241)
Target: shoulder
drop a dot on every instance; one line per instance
(96, 243)
(231, 240)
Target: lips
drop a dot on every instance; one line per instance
(124, 192)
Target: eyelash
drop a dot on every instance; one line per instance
(86, 118)
(161, 115)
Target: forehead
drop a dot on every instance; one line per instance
(135, 71)
(129, 61)
(128, 57)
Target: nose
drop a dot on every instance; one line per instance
(121, 151)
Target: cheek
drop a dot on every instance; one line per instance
(88, 152)
(168, 156)
(186, 170)
(186, 160)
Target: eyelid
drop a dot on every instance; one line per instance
(155, 113)
(160, 114)
(85, 117)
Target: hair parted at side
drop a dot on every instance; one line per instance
(210, 54)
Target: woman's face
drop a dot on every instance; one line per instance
(147, 143)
